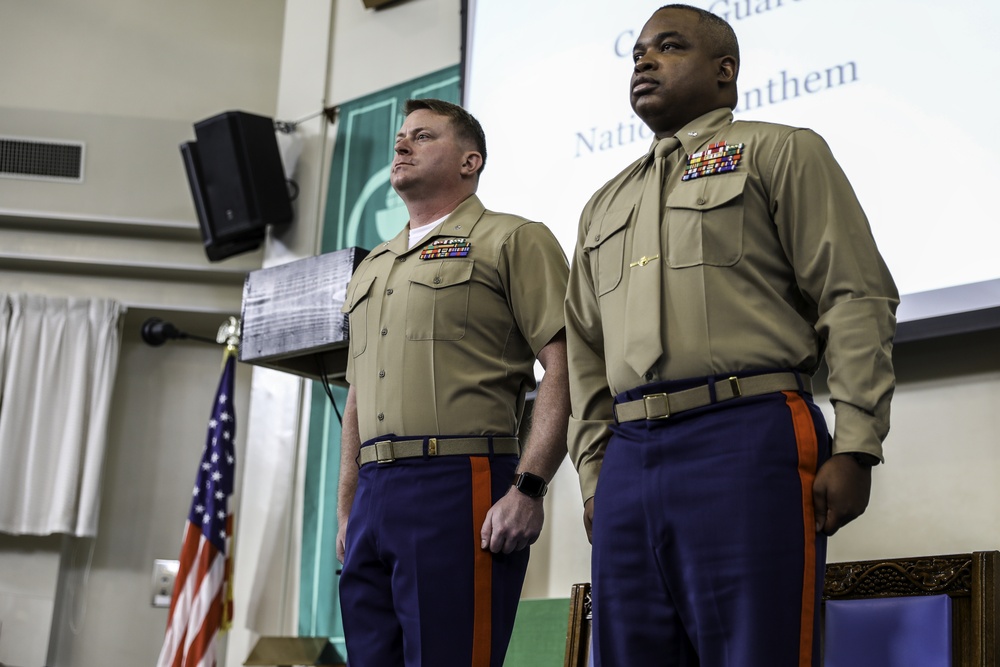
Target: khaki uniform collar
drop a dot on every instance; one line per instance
(458, 224)
(694, 135)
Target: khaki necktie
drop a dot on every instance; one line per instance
(643, 302)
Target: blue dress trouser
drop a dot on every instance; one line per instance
(416, 589)
(705, 549)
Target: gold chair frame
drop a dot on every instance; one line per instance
(578, 632)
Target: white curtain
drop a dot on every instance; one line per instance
(59, 357)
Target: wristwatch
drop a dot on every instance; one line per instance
(531, 485)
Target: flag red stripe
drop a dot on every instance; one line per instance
(202, 644)
(198, 608)
(210, 575)
(185, 586)
(189, 550)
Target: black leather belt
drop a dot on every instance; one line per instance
(661, 406)
(387, 451)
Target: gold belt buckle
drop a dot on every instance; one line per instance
(384, 452)
(657, 406)
(734, 384)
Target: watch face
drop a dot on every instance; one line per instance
(530, 485)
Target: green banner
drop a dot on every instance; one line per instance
(362, 210)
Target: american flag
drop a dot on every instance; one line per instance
(201, 605)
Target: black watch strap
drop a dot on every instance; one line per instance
(531, 485)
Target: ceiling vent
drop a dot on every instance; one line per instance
(41, 159)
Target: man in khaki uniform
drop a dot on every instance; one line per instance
(710, 279)
(438, 501)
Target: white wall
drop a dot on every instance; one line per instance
(938, 491)
(162, 403)
(29, 567)
(129, 79)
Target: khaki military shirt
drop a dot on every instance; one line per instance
(769, 266)
(446, 345)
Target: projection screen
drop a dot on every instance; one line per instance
(902, 92)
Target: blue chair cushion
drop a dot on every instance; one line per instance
(889, 632)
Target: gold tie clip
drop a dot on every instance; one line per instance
(643, 261)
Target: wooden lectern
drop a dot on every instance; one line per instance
(291, 315)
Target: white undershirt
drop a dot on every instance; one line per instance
(416, 235)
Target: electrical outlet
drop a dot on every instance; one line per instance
(164, 574)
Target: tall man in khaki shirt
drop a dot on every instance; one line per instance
(710, 279)
(436, 507)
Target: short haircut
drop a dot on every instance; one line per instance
(465, 124)
(719, 32)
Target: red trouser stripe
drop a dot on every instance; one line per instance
(482, 626)
(805, 440)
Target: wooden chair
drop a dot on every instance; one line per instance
(970, 580)
(578, 630)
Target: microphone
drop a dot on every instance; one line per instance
(156, 332)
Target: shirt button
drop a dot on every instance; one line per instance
(381, 417)
(648, 375)
(401, 259)
(597, 238)
(389, 291)
(385, 331)
(701, 201)
(437, 281)
(381, 374)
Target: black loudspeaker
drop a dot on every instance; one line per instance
(237, 182)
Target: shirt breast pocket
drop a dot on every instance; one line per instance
(704, 221)
(437, 306)
(356, 308)
(605, 244)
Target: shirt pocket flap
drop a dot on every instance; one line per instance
(612, 222)
(443, 273)
(357, 293)
(707, 192)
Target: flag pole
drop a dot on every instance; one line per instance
(201, 603)
(229, 335)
